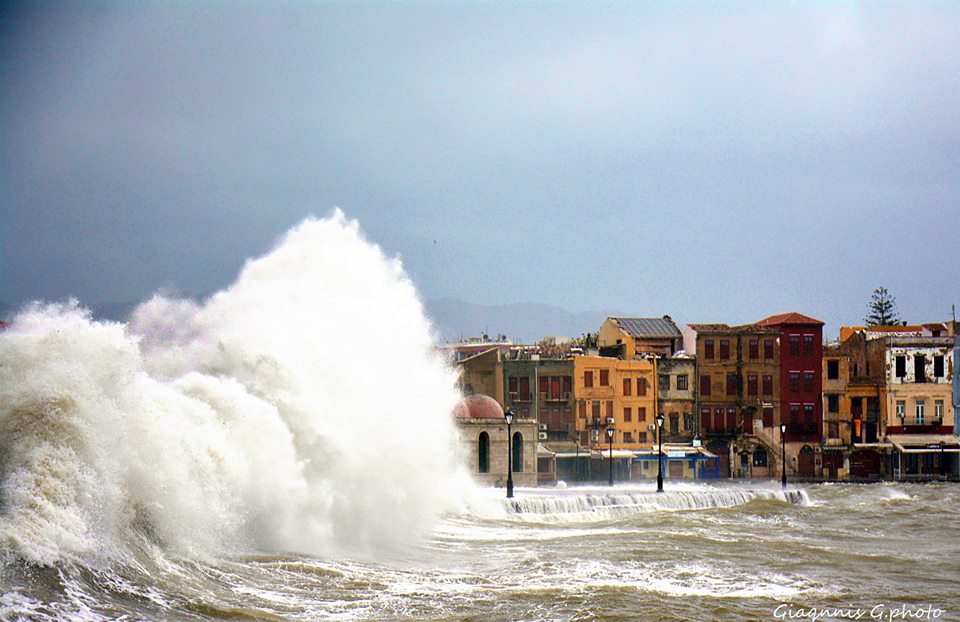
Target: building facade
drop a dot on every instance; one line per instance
(483, 434)
(614, 393)
(801, 390)
(738, 382)
(677, 397)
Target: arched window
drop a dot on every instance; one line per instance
(517, 452)
(759, 457)
(483, 452)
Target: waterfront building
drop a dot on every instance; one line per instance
(801, 363)
(676, 397)
(482, 431)
(837, 414)
(617, 393)
(738, 384)
(542, 389)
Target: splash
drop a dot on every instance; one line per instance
(302, 408)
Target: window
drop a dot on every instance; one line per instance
(483, 452)
(768, 385)
(754, 349)
(582, 408)
(595, 410)
(512, 386)
(731, 384)
(724, 349)
(641, 386)
(705, 384)
(808, 416)
(525, 389)
(833, 370)
(604, 377)
(517, 452)
(717, 419)
(588, 379)
(768, 348)
(731, 419)
(901, 365)
(682, 383)
(751, 384)
(544, 386)
(833, 403)
(768, 417)
(833, 429)
(627, 414)
(688, 422)
(704, 419)
(938, 410)
(642, 413)
(567, 385)
(628, 437)
(794, 381)
(555, 389)
(920, 368)
(901, 408)
(674, 423)
(627, 386)
(609, 409)
(664, 382)
(938, 366)
(708, 349)
(759, 457)
(808, 344)
(794, 344)
(642, 437)
(920, 408)
(794, 414)
(808, 381)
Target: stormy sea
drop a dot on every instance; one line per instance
(284, 450)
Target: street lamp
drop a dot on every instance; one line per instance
(509, 417)
(659, 452)
(610, 443)
(783, 455)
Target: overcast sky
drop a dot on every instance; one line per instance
(719, 162)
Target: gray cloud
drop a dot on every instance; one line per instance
(717, 162)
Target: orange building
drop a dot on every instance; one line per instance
(613, 392)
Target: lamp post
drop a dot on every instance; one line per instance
(509, 417)
(610, 444)
(783, 454)
(659, 452)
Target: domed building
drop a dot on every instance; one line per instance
(483, 435)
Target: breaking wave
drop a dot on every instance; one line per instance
(302, 408)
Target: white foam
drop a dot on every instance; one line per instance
(302, 408)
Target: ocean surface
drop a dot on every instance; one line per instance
(695, 552)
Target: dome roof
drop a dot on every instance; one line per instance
(478, 407)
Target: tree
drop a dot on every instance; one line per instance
(882, 309)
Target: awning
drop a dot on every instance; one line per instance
(544, 452)
(925, 443)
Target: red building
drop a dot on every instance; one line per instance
(801, 361)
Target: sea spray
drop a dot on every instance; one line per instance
(302, 408)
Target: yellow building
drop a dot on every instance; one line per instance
(610, 391)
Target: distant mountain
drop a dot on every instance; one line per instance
(522, 323)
